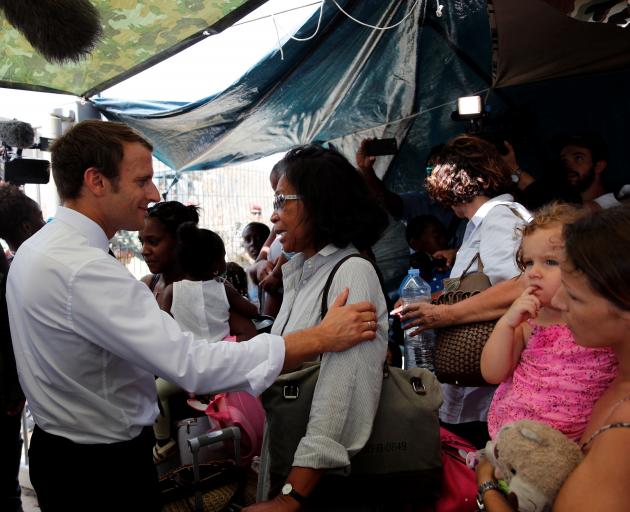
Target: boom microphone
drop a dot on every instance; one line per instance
(60, 30)
(16, 134)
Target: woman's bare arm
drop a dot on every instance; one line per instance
(487, 305)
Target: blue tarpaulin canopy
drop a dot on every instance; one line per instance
(351, 81)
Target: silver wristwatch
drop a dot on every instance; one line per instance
(288, 490)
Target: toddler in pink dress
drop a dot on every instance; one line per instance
(544, 375)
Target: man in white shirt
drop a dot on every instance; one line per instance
(89, 338)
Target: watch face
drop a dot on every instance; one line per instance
(286, 488)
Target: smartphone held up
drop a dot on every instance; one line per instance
(379, 147)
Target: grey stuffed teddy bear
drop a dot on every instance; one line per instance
(531, 462)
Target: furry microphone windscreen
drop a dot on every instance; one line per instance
(16, 134)
(60, 30)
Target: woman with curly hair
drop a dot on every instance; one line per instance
(323, 212)
(470, 177)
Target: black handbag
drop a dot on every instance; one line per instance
(401, 460)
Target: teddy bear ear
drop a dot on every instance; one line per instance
(531, 435)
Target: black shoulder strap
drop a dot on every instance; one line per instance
(324, 308)
(154, 281)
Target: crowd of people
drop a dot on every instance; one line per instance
(100, 355)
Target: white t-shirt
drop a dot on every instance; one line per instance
(202, 308)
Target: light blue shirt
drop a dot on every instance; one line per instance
(492, 232)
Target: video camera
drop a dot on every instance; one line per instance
(15, 136)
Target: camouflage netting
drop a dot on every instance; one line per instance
(136, 34)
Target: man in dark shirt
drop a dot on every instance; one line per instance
(20, 217)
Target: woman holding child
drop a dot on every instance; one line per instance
(594, 301)
(185, 262)
(542, 374)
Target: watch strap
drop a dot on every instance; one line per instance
(482, 489)
(302, 500)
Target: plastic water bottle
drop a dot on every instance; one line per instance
(419, 349)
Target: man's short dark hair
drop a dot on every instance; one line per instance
(258, 227)
(88, 144)
(418, 225)
(590, 141)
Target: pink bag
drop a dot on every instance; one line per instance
(459, 481)
(237, 408)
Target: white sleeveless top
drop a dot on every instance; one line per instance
(202, 308)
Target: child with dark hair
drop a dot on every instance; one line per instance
(237, 277)
(256, 242)
(254, 236)
(428, 238)
(203, 302)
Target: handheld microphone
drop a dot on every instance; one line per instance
(16, 134)
(60, 30)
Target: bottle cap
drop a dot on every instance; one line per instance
(413, 272)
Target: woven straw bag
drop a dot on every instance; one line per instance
(458, 347)
(222, 484)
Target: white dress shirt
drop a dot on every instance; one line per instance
(89, 338)
(491, 232)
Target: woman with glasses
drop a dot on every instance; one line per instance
(323, 212)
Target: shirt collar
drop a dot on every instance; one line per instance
(328, 250)
(298, 260)
(483, 210)
(91, 230)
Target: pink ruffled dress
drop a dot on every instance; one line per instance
(555, 382)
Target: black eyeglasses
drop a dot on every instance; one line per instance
(280, 199)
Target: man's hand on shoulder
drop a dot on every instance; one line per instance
(343, 327)
(346, 325)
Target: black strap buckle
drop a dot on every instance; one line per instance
(418, 386)
(291, 391)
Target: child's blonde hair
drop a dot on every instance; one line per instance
(555, 214)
